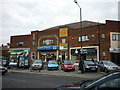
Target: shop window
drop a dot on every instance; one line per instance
(20, 43)
(116, 37)
(48, 42)
(103, 35)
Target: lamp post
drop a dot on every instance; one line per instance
(81, 50)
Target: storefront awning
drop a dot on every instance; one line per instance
(48, 48)
(19, 50)
(115, 50)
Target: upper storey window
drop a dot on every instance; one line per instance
(47, 42)
(103, 35)
(116, 37)
(20, 43)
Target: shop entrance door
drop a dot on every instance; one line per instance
(63, 55)
(116, 58)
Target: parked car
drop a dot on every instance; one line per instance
(12, 63)
(3, 70)
(109, 81)
(52, 64)
(89, 65)
(26, 64)
(67, 65)
(37, 65)
(4, 63)
(107, 66)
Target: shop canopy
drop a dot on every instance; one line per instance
(22, 50)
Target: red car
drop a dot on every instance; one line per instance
(67, 65)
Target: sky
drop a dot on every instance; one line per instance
(20, 17)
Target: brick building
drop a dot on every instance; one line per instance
(99, 41)
(20, 48)
(4, 54)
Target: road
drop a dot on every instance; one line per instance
(24, 80)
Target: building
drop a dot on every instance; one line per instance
(99, 41)
(4, 54)
(20, 48)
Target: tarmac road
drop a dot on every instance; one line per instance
(25, 80)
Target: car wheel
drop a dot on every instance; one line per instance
(105, 70)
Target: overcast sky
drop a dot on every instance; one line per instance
(19, 17)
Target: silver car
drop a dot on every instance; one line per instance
(37, 65)
(107, 66)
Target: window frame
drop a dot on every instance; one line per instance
(116, 37)
(20, 43)
(103, 35)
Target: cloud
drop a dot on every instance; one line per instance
(23, 16)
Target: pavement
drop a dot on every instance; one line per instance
(76, 74)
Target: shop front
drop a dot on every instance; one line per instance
(47, 53)
(115, 55)
(88, 54)
(19, 55)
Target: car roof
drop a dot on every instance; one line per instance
(37, 59)
(104, 60)
(87, 60)
(52, 60)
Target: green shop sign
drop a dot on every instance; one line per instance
(18, 50)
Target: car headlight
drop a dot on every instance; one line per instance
(110, 68)
(87, 66)
(5, 68)
(49, 65)
(40, 65)
(118, 67)
(96, 66)
(65, 65)
(73, 66)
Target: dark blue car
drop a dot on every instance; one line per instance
(110, 81)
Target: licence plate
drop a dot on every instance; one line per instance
(92, 68)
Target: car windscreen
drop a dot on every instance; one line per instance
(52, 62)
(68, 62)
(37, 61)
(88, 62)
(109, 63)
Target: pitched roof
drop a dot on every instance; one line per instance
(84, 24)
(76, 25)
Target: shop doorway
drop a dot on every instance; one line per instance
(47, 57)
(63, 55)
(116, 58)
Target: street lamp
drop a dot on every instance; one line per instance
(81, 50)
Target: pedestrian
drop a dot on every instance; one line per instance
(92, 60)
